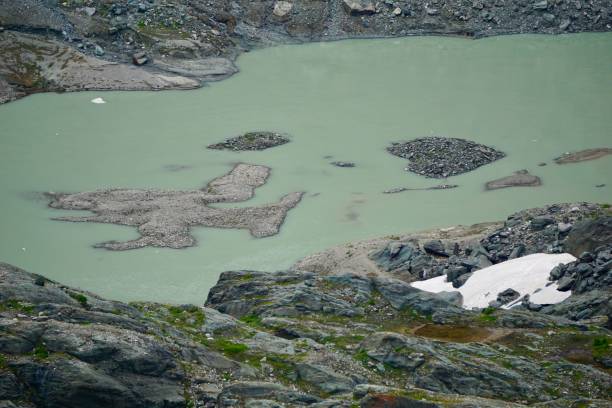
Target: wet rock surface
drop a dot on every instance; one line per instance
(583, 155)
(252, 141)
(521, 178)
(438, 187)
(441, 157)
(342, 164)
(164, 217)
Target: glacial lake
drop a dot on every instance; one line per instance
(533, 97)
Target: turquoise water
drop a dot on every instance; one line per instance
(533, 97)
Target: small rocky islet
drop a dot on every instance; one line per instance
(256, 140)
(521, 178)
(442, 157)
(583, 155)
(298, 338)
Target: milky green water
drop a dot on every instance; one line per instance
(533, 97)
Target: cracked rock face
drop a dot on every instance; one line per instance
(164, 217)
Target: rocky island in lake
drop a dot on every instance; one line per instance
(252, 141)
(520, 178)
(442, 157)
(164, 218)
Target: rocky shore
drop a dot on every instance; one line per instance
(298, 338)
(580, 229)
(159, 44)
(164, 218)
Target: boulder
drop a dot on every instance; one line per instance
(359, 7)
(139, 58)
(435, 247)
(460, 281)
(588, 235)
(282, 9)
(540, 5)
(343, 164)
(507, 296)
(539, 223)
(324, 378)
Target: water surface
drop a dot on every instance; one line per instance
(533, 97)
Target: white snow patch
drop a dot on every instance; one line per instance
(527, 275)
(98, 100)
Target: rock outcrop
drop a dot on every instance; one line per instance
(288, 339)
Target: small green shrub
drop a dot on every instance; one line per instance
(40, 351)
(251, 320)
(15, 304)
(79, 297)
(189, 315)
(487, 314)
(601, 346)
(362, 356)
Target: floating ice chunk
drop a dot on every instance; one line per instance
(98, 100)
(527, 275)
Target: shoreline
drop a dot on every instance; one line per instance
(137, 50)
(188, 83)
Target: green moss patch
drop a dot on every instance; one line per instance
(17, 306)
(79, 297)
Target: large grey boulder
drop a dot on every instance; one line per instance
(359, 7)
(324, 378)
(588, 235)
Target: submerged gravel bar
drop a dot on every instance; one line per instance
(164, 218)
